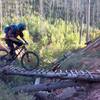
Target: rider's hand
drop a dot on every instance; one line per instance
(26, 42)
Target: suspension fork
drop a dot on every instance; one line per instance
(24, 48)
(26, 51)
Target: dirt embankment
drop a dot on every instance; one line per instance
(92, 60)
(88, 58)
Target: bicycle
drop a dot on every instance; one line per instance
(29, 59)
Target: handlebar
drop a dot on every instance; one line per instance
(25, 44)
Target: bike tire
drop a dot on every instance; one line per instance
(29, 63)
(3, 59)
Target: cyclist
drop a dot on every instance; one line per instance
(12, 33)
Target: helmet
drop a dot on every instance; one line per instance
(21, 26)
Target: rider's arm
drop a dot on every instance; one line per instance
(14, 39)
(22, 37)
(24, 40)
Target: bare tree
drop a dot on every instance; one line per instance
(88, 22)
(0, 15)
(17, 7)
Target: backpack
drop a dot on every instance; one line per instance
(6, 29)
(12, 27)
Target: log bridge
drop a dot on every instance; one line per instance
(68, 78)
(44, 73)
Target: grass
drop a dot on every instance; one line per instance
(7, 94)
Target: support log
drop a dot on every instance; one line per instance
(45, 86)
(66, 94)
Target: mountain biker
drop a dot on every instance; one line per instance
(12, 33)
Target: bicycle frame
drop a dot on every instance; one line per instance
(22, 48)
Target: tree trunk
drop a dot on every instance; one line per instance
(17, 8)
(88, 21)
(1, 16)
(45, 86)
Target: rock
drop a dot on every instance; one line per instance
(67, 93)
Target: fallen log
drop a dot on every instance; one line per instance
(66, 94)
(45, 86)
(94, 44)
(72, 74)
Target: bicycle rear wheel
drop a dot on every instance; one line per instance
(30, 60)
(3, 57)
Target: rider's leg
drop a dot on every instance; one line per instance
(19, 43)
(11, 47)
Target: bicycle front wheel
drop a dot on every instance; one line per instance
(30, 60)
(3, 57)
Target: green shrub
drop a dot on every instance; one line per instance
(50, 39)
